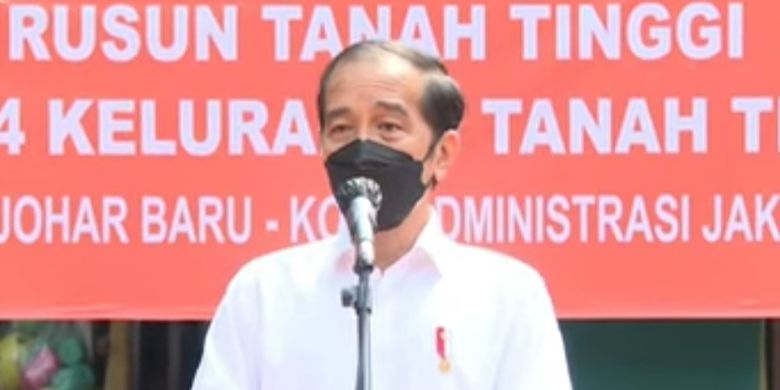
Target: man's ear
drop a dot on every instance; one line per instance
(447, 151)
(320, 140)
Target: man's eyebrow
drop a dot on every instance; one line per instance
(392, 106)
(336, 113)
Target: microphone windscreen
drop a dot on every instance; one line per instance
(359, 186)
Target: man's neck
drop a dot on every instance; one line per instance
(393, 244)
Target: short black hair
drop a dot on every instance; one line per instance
(442, 103)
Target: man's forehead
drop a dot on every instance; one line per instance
(396, 106)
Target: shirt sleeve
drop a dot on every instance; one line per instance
(534, 356)
(230, 358)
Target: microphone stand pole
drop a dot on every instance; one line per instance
(359, 297)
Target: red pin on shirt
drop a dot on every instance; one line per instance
(441, 348)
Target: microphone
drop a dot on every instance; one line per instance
(361, 197)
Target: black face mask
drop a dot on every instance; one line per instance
(397, 174)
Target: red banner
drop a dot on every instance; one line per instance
(627, 150)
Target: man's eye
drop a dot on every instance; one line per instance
(389, 126)
(338, 129)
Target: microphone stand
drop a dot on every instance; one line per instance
(364, 197)
(359, 297)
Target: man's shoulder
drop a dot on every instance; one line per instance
(491, 266)
(286, 262)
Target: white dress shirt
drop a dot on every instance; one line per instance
(445, 316)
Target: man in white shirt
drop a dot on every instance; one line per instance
(445, 315)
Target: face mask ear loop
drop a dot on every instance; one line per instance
(433, 182)
(431, 149)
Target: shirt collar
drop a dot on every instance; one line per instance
(429, 246)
